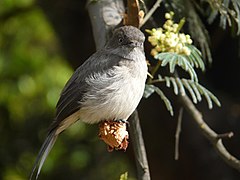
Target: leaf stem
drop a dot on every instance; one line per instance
(153, 72)
(157, 81)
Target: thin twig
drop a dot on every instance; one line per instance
(150, 13)
(139, 147)
(153, 72)
(212, 136)
(225, 135)
(177, 134)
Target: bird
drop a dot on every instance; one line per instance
(107, 86)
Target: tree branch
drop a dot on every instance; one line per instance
(105, 15)
(213, 137)
(177, 134)
(150, 13)
(139, 147)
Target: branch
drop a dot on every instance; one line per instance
(133, 18)
(104, 15)
(139, 147)
(213, 137)
(177, 134)
(150, 13)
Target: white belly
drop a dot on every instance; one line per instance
(118, 100)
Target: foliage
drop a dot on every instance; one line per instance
(228, 10)
(149, 89)
(174, 57)
(180, 86)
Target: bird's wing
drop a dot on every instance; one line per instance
(72, 93)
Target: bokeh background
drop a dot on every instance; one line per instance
(41, 43)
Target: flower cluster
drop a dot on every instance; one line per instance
(168, 38)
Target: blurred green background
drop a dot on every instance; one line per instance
(33, 70)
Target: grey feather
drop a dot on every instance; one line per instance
(75, 88)
(43, 153)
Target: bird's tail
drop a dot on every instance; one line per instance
(43, 153)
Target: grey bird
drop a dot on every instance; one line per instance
(107, 86)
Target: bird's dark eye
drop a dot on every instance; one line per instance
(120, 40)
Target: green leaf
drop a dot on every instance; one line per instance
(192, 60)
(196, 57)
(214, 98)
(168, 84)
(174, 59)
(229, 11)
(172, 64)
(208, 95)
(175, 87)
(149, 89)
(193, 85)
(181, 87)
(186, 84)
(160, 77)
(236, 6)
(165, 99)
(212, 16)
(195, 89)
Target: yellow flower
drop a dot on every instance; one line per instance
(154, 52)
(158, 48)
(179, 47)
(186, 51)
(157, 33)
(168, 16)
(153, 40)
(182, 38)
(168, 38)
(169, 22)
(189, 41)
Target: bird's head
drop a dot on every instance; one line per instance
(126, 37)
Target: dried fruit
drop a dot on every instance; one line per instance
(114, 134)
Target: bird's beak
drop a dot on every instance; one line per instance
(134, 43)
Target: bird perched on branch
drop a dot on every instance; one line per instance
(107, 86)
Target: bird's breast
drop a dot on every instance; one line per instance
(115, 97)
